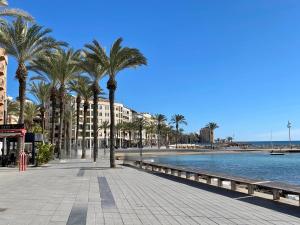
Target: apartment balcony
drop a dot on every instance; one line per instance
(2, 68)
(3, 55)
(2, 85)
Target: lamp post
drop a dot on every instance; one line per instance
(289, 125)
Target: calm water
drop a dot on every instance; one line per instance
(269, 143)
(263, 166)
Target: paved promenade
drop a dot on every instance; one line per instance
(81, 192)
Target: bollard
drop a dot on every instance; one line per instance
(22, 161)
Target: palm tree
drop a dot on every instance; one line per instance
(75, 86)
(86, 92)
(47, 72)
(229, 139)
(150, 129)
(31, 111)
(41, 92)
(68, 122)
(118, 127)
(178, 119)
(104, 126)
(140, 123)
(13, 107)
(130, 127)
(65, 61)
(119, 58)
(96, 70)
(25, 43)
(12, 12)
(160, 121)
(212, 126)
(59, 67)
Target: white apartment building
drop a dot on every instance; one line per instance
(122, 114)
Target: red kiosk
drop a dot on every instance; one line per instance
(16, 131)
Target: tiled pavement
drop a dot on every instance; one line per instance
(68, 193)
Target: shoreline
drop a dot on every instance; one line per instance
(121, 154)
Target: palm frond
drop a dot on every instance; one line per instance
(16, 13)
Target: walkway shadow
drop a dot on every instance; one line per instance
(73, 167)
(265, 203)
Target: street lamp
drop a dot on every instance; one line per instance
(289, 125)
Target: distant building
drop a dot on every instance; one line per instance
(204, 135)
(123, 114)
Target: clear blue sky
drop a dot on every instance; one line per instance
(233, 62)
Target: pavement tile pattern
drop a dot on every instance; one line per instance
(81, 192)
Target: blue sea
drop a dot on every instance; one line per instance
(269, 143)
(263, 166)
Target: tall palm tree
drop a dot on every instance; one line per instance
(150, 129)
(75, 86)
(104, 126)
(65, 60)
(13, 107)
(41, 92)
(212, 126)
(25, 43)
(12, 12)
(119, 58)
(118, 127)
(160, 121)
(58, 66)
(68, 122)
(130, 127)
(140, 124)
(47, 72)
(96, 70)
(31, 111)
(178, 119)
(86, 92)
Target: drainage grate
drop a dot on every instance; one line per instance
(107, 199)
(78, 214)
(80, 173)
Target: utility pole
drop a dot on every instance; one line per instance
(289, 125)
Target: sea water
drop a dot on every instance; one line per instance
(262, 166)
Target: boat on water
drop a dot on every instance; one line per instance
(277, 153)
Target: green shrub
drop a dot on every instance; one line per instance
(45, 153)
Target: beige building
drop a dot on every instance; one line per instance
(123, 114)
(3, 75)
(205, 135)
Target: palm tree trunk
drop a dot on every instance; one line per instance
(42, 111)
(53, 100)
(78, 101)
(21, 75)
(95, 121)
(158, 139)
(70, 135)
(105, 139)
(61, 120)
(85, 108)
(66, 153)
(111, 86)
(176, 136)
